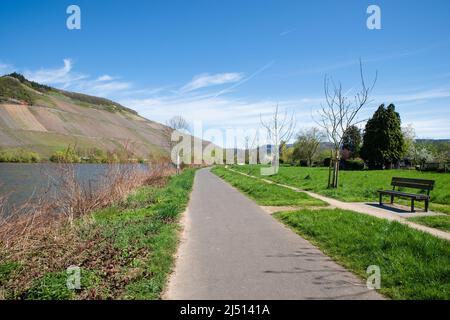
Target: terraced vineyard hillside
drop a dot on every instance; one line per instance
(42, 119)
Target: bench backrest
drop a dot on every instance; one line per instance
(413, 183)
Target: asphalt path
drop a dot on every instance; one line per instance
(232, 249)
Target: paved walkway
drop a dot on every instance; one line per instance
(393, 213)
(232, 249)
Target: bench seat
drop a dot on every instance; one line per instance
(405, 194)
(420, 184)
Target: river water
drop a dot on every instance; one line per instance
(21, 182)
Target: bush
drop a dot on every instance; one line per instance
(303, 163)
(356, 164)
(19, 155)
(67, 156)
(13, 89)
(326, 162)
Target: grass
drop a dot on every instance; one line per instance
(53, 286)
(266, 194)
(438, 222)
(414, 265)
(7, 269)
(356, 186)
(127, 249)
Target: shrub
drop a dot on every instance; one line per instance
(303, 163)
(356, 164)
(19, 155)
(66, 156)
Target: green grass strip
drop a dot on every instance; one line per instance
(414, 265)
(358, 186)
(266, 194)
(438, 222)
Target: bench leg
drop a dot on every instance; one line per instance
(426, 205)
(381, 199)
(392, 199)
(412, 205)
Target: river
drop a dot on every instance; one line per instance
(21, 182)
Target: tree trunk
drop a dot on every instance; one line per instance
(334, 182)
(329, 170)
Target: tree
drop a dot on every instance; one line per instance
(287, 155)
(279, 128)
(383, 142)
(419, 154)
(176, 123)
(352, 141)
(307, 145)
(409, 140)
(338, 114)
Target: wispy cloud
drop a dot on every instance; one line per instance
(60, 76)
(103, 88)
(5, 68)
(205, 80)
(243, 80)
(286, 32)
(217, 110)
(66, 78)
(105, 77)
(417, 96)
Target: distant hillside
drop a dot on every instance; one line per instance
(434, 141)
(44, 119)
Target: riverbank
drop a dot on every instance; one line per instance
(122, 251)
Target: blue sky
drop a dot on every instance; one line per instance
(227, 62)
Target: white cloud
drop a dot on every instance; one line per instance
(5, 68)
(206, 80)
(59, 76)
(221, 112)
(424, 108)
(286, 32)
(424, 95)
(105, 78)
(68, 79)
(101, 87)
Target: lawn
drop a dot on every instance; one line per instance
(357, 186)
(125, 251)
(266, 194)
(438, 222)
(413, 264)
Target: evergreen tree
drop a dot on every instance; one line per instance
(352, 141)
(383, 143)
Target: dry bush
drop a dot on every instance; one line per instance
(41, 234)
(66, 199)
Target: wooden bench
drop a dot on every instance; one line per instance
(409, 183)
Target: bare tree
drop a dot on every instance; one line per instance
(338, 114)
(279, 128)
(307, 144)
(176, 123)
